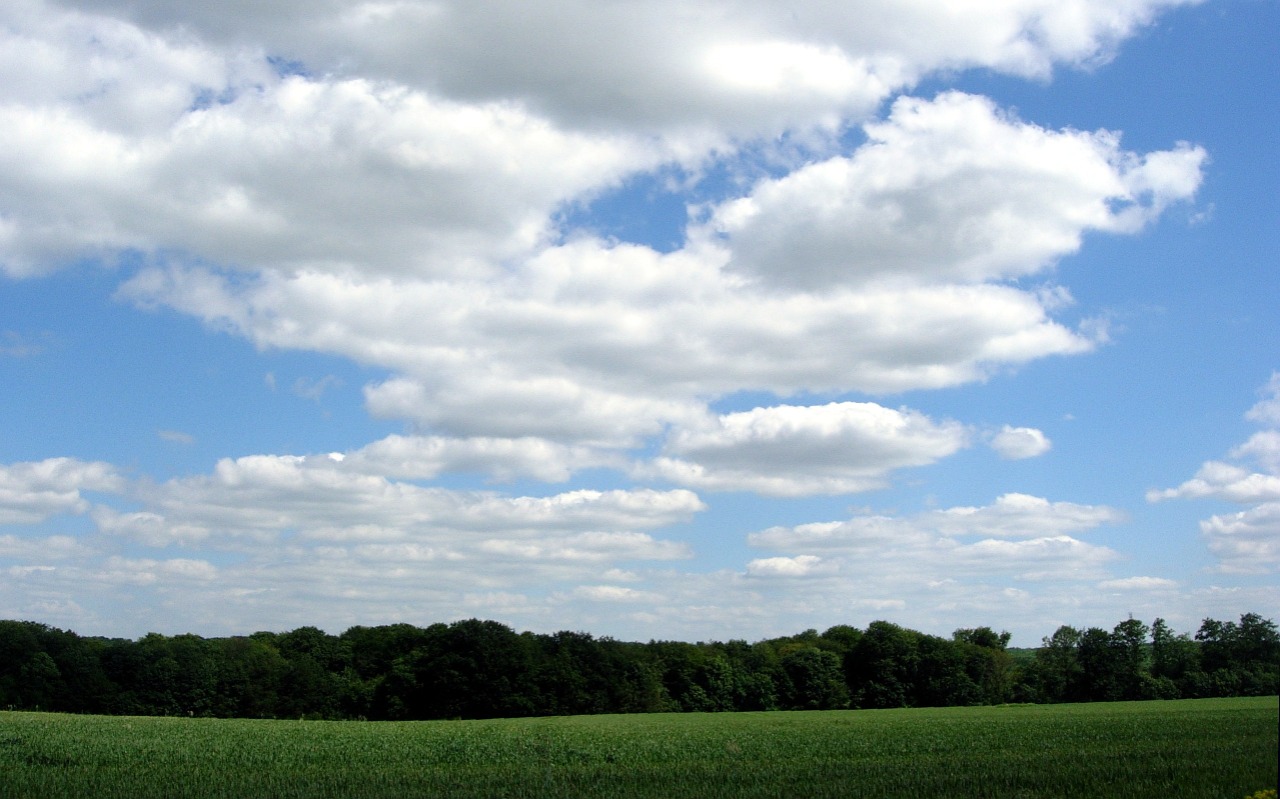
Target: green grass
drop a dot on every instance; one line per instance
(1199, 748)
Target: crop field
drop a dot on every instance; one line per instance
(1195, 748)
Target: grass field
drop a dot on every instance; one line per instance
(1188, 749)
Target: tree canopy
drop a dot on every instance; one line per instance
(484, 669)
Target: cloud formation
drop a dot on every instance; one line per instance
(32, 492)
(838, 448)
(947, 190)
(404, 185)
(1018, 443)
(1246, 541)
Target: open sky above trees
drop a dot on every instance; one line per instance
(655, 320)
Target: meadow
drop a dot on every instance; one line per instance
(1188, 748)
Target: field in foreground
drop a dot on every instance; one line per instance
(1195, 748)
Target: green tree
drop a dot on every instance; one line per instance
(814, 680)
(881, 668)
(1132, 660)
(1175, 663)
(1056, 674)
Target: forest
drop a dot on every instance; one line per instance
(484, 669)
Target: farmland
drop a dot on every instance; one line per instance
(1190, 748)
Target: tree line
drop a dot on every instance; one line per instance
(484, 669)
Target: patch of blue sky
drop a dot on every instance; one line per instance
(288, 67)
(157, 391)
(656, 208)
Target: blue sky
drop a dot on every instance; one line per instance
(702, 322)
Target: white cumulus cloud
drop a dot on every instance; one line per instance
(1017, 443)
(795, 450)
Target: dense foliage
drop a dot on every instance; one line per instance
(483, 669)
(1219, 748)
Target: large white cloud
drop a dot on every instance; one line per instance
(748, 66)
(793, 451)
(546, 354)
(396, 206)
(604, 343)
(33, 491)
(296, 174)
(264, 498)
(947, 190)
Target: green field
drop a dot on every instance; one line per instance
(1196, 748)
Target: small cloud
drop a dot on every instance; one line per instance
(1267, 412)
(611, 593)
(15, 345)
(1202, 217)
(270, 380)
(1018, 443)
(798, 566)
(176, 437)
(1138, 584)
(313, 390)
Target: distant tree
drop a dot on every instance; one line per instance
(814, 680)
(250, 674)
(880, 670)
(1056, 674)
(1132, 660)
(987, 662)
(942, 676)
(1175, 663)
(1240, 659)
(477, 668)
(472, 669)
(982, 636)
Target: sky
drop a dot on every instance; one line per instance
(662, 320)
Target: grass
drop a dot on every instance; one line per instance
(1196, 748)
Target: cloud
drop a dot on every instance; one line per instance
(263, 498)
(603, 344)
(425, 457)
(947, 190)
(55, 548)
(1267, 411)
(554, 354)
(16, 345)
(1263, 448)
(396, 184)
(402, 212)
(1248, 541)
(751, 66)
(612, 593)
(1017, 443)
(314, 389)
(1223, 481)
(800, 566)
(1022, 538)
(145, 571)
(1139, 584)
(31, 492)
(1011, 516)
(795, 451)
(176, 437)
